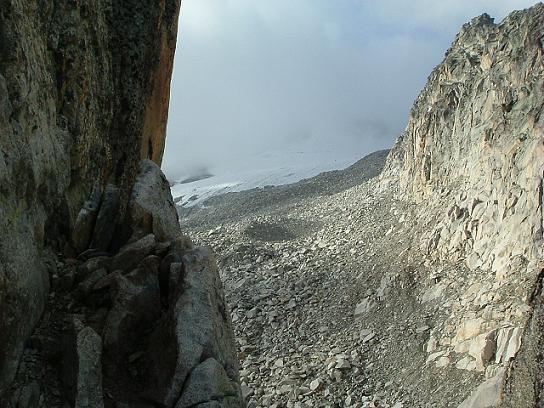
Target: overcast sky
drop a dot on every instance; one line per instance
(337, 76)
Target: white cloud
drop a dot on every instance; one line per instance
(438, 15)
(254, 75)
(205, 18)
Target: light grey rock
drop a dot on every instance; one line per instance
(370, 336)
(82, 367)
(208, 382)
(197, 320)
(365, 332)
(489, 394)
(483, 348)
(152, 208)
(514, 344)
(363, 307)
(247, 392)
(494, 214)
(316, 385)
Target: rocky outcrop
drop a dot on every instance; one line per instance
(472, 157)
(144, 325)
(474, 140)
(151, 206)
(77, 84)
(197, 327)
(89, 229)
(82, 371)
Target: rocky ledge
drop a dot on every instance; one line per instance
(145, 325)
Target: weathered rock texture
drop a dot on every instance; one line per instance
(84, 94)
(472, 156)
(475, 135)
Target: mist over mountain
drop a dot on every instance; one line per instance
(311, 75)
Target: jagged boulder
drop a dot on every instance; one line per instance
(489, 394)
(207, 383)
(82, 366)
(196, 327)
(151, 207)
(136, 307)
(131, 254)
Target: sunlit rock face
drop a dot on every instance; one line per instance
(475, 142)
(472, 156)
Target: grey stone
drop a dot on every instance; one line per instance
(82, 367)
(24, 285)
(107, 280)
(483, 348)
(92, 253)
(29, 396)
(514, 344)
(197, 320)
(85, 287)
(363, 307)
(136, 308)
(132, 254)
(206, 383)
(66, 281)
(152, 208)
(87, 268)
(489, 394)
(85, 221)
(247, 392)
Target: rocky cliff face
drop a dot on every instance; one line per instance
(472, 156)
(89, 230)
(475, 135)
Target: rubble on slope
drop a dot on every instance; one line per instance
(350, 312)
